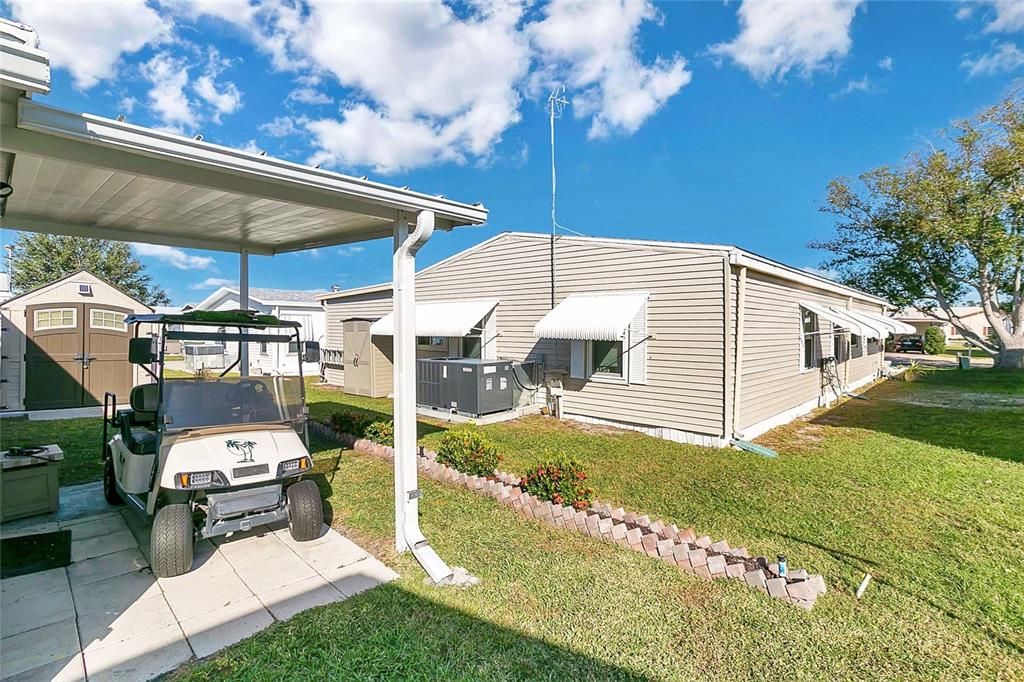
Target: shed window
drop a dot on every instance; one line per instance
(606, 358)
(107, 319)
(56, 318)
(809, 339)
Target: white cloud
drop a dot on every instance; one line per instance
(601, 63)
(1009, 16)
(168, 77)
(174, 256)
(251, 147)
(852, 86)
(308, 96)
(430, 84)
(282, 126)
(350, 250)
(779, 37)
(88, 38)
(126, 105)
(1003, 58)
(225, 100)
(885, 64)
(213, 283)
(964, 12)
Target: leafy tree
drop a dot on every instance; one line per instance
(934, 341)
(39, 259)
(943, 226)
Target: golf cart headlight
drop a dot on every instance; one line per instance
(200, 479)
(293, 467)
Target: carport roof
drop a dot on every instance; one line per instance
(87, 175)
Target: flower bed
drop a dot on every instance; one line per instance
(666, 542)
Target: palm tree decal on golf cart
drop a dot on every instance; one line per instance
(241, 448)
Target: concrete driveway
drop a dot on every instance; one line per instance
(105, 617)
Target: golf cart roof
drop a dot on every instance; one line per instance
(215, 318)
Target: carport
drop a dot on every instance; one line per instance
(80, 174)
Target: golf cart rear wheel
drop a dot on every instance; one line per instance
(171, 541)
(110, 483)
(305, 511)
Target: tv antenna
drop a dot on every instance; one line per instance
(556, 107)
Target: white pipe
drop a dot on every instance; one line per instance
(741, 307)
(407, 519)
(243, 303)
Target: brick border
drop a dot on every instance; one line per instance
(693, 554)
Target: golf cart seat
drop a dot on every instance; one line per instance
(138, 425)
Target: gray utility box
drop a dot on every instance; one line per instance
(468, 386)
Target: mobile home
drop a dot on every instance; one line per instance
(696, 343)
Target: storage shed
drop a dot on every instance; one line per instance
(65, 344)
(697, 343)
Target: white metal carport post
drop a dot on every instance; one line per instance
(243, 303)
(407, 518)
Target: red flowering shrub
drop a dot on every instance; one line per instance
(468, 452)
(559, 480)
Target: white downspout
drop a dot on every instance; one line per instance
(407, 524)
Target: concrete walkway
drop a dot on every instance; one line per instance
(105, 617)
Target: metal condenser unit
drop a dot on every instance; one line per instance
(468, 386)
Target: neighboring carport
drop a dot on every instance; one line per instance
(79, 174)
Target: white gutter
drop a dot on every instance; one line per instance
(407, 518)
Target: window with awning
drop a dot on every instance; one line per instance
(607, 333)
(442, 318)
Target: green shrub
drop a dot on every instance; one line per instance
(559, 480)
(934, 341)
(468, 452)
(349, 421)
(382, 432)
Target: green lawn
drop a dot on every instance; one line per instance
(929, 499)
(80, 439)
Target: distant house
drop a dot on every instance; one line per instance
(971, 316)
(300, 306)
(690, 342)
(65, 344)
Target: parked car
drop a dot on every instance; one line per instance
(910, 344)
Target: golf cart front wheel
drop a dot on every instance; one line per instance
(170, 544)
(110, 483)
(305, 511)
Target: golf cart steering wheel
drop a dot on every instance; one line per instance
(248, 393)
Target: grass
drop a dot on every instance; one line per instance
(174, 358)
(80, 439)
(931, 504)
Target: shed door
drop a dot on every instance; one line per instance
(358, 361)
(106, 352)
(54, 348)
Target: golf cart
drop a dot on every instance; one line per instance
(211, 455)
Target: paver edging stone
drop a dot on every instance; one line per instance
(659, 540)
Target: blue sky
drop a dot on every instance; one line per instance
(695, 121)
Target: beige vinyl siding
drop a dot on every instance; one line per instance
(772, 380)
(371, 306)
(684, 388)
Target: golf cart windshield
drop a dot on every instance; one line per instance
(231, 400)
